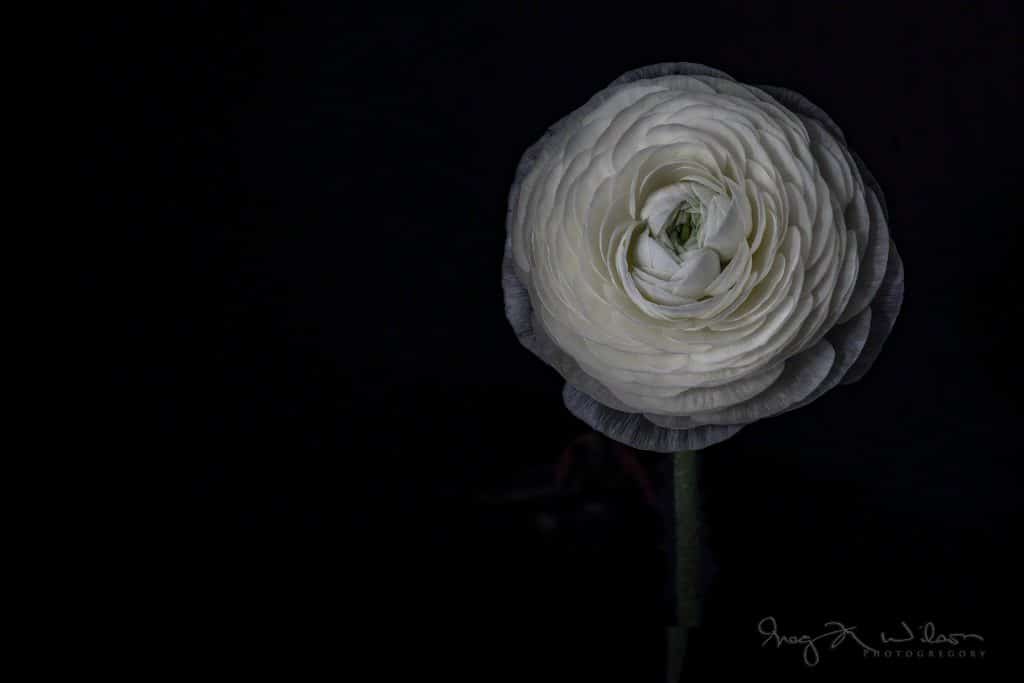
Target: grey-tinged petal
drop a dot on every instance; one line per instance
(848, 341)
(531, 334)
(871, 181)
(700, 401)
(635, 430)
(670, 69)
(518, 308)
(799, 104)
(673, 421)
(530, 157)
(803, 374)
(569, 369)
(526, 164)
(887, 300)
(874, 265)
(884, 310)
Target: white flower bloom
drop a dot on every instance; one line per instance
(694, 254)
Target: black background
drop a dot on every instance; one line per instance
(311, 283)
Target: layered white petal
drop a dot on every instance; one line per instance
(686, 239)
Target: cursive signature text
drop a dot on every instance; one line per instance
(929, 636)
(836, 633)
(834, 630)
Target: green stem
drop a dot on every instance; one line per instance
(684, 513)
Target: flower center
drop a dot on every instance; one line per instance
(681, 226)
(675, 216)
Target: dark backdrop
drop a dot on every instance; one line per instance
(362, 455)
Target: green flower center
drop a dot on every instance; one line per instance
(681, 226)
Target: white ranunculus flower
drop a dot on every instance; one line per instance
(693, 254)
